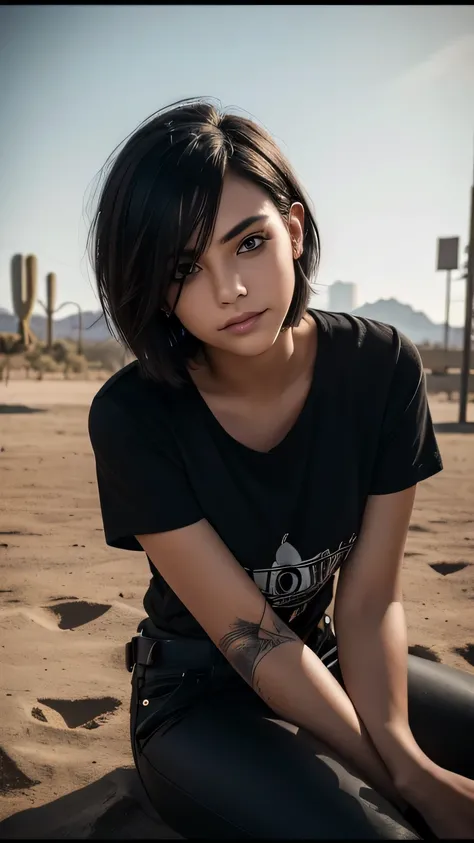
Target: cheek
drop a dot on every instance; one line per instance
(276, 267)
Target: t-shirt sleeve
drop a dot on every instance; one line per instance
(407, 451)
(142, 483)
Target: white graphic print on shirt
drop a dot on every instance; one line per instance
(292, 581)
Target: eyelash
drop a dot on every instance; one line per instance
(261, 237)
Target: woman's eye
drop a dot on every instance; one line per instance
(251, 243)
(185, 269)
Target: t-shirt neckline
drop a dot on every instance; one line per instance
(293, 432)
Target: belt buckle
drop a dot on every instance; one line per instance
(153, 653)
(132, 654)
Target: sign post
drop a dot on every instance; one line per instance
(448, 259)
(469, 314)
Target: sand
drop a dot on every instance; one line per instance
(69, 603)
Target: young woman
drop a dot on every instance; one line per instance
(255, 447)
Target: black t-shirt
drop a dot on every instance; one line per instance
(290, 516)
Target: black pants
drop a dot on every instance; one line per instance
(216, 762)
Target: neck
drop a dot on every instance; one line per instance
(266, 375)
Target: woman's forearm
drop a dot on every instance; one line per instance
(373, 652)
(292, 680)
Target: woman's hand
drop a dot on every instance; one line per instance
(445, 800)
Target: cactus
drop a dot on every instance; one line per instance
(24, 282)
(50, 306)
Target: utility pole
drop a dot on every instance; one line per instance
(466, 356)
(448, 303)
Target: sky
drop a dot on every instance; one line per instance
(373, 105)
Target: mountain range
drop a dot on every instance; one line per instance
(414, 323)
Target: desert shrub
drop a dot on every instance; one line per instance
(75, 363)
(108, 355)
(10, 344)
(44, 364)
(62, 349)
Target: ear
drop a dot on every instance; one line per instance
(296, 228)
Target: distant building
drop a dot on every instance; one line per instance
(342, 297)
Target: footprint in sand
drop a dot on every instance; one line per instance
(467, 653)
(11, 777)
(424, 653)
(77, 613)
(70, 614)
(417, 528)
(86, 712)
(446, 568)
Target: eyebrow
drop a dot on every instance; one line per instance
(241, 226)
(237, 229)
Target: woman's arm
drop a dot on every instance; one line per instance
(371, 634)
(291, 679)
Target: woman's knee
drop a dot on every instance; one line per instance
(441, 713)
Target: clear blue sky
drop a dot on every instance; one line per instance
(374, 105)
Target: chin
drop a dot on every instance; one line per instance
(254, 344)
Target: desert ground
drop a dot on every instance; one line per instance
(69, 603)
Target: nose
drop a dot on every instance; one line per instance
(228, 285)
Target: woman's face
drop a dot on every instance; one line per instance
(247, 269)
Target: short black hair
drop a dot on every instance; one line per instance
(162, 187)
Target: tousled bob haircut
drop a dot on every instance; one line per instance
(160, 189)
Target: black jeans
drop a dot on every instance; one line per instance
(216, 762)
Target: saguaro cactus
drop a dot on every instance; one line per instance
(50, 305)
(24, 283)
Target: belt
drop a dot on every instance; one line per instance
(172, 653)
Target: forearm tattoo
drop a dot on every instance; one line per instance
(247, 643)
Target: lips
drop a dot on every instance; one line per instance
(243, 317)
